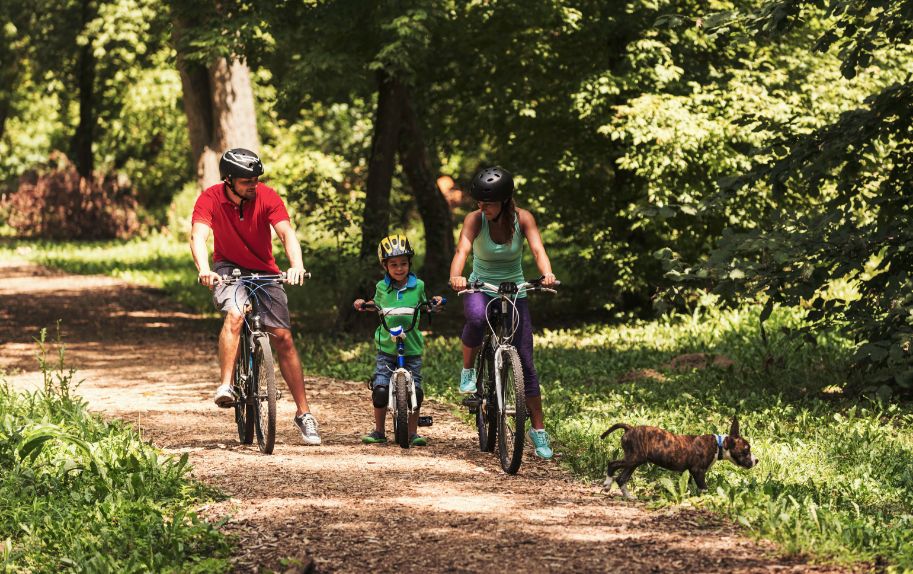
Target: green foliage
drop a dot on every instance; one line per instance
(833, 479)
(81, 493)
(839, 195)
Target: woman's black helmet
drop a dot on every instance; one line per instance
(492, 184)
(240, 162)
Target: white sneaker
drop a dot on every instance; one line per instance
(224, 396)
(307, 424)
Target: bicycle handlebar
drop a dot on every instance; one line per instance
(401, 311)
(281, 277)
(533, 285)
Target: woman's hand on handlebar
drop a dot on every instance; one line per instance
(458, 283)
(209, 278)
(549, 280)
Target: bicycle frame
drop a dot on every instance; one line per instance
(506, 295)
(399, 333)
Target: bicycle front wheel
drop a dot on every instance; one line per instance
(401, 415)
(486, 414)
(263, 393)
(512, 419)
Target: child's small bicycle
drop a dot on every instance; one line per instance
(499, 403)
(402, 400)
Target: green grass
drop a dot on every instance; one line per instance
(834, 481)
(79, 493)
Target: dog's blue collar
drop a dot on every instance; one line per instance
(719, 446)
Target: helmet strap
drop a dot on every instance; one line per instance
(500, 213)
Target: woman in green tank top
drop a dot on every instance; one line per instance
(494, 235)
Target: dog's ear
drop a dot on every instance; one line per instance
(728, 443)
(734, 428)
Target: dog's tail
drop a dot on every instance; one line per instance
(614, 428)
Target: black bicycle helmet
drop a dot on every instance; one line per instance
(239, 162)
(492, 184)
(394, 245)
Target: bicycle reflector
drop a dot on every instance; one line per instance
(396, 331)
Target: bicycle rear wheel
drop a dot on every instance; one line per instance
(401, 416)
(244, 410)
(263, 394)
(512, 420)
(486, 414)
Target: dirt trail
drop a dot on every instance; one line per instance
(353, 508)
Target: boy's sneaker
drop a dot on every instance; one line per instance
(541, 442)
(468, 381)
(307, 424)
(224, 396)
(418, 440)
(374, 437)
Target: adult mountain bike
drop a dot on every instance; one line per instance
(254, 375)
(402, 399)
(499, 403)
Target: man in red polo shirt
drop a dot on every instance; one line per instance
(240, 211)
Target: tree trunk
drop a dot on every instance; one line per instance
(85, 77)
(377, 199)
(432, 206)
(220, 108)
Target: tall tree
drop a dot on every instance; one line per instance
(218, 94)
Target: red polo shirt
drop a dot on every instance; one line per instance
(246, 242)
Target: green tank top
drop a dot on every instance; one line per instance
(496, 263)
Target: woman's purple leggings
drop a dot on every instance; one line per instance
(474, 310)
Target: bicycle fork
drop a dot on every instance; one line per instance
(509, 410)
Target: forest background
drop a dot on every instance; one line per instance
(681, 157)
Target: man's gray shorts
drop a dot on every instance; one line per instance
(272, 298)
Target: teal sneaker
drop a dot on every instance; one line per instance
(418, 440)
(541, 442)
(374, 437)
(468, 381)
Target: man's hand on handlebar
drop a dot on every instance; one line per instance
(209, 278)
(295, 275)
(458, 283)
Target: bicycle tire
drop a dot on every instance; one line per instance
(244, 410)
(486, 414)
(264, 391)
(401, 416)
(512, 420)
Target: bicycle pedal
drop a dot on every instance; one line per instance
(425, 421)
(471, 401)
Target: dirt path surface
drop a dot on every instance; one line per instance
(349, 507)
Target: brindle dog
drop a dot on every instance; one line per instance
(694, 453)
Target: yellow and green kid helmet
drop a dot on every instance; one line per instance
(394, 245)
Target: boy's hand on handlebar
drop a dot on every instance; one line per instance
(458, 283)
(359, 304)
(295, 275)
(436, 302)
(209, 278)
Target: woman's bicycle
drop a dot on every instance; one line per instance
(499, 403)
(254, 375)
(402, 399)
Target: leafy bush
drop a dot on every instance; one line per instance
(55, 203)
(82, 493)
